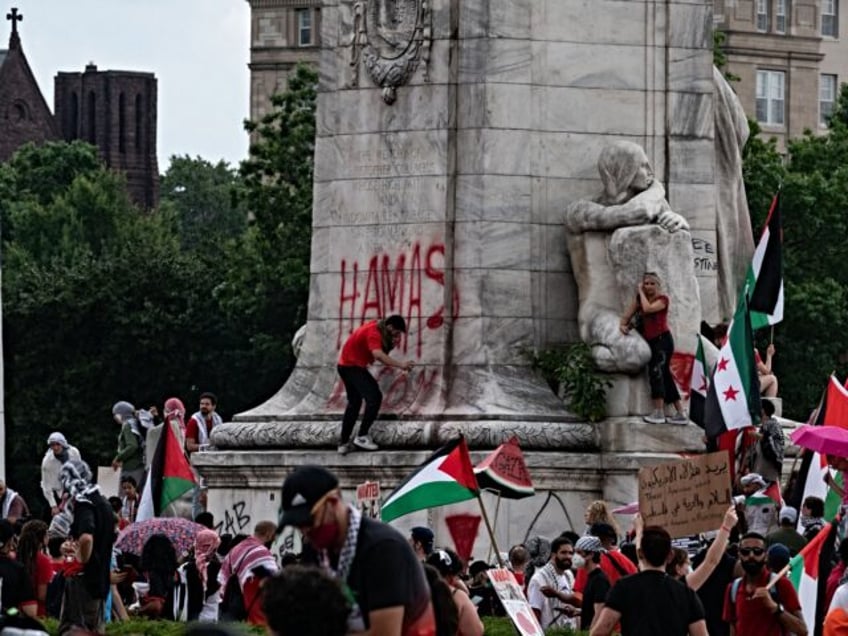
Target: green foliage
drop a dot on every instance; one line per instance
(494, 626)
(208, 201)
(103, 302)
(812, 341)
(144, 627)
(571, 372)
(720, 56)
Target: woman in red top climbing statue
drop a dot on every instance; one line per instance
(651, 310)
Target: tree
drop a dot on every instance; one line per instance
(207, 199)
(812, 341)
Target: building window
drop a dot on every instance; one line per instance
(827, 96)
(762, 15)
(780, 16)
(770, 91)
(304, 27)
(830, 18)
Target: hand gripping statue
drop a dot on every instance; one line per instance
(630, 198)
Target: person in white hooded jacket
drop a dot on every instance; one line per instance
(58, 452)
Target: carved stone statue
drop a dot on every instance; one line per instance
(629, 229)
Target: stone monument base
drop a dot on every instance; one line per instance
(244, 485)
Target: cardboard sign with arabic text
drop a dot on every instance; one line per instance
(688, 496)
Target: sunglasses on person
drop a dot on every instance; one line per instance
(750, 551)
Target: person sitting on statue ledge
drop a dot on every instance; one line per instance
(768, 380)
(650, 310)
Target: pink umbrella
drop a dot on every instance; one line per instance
(629, 509)
(827, 440)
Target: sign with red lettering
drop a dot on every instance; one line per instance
(368, 499)
(514, 602)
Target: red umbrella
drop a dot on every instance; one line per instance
(180, 531)
(827, 440)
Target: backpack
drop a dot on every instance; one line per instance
(55, 592)
(734, 588)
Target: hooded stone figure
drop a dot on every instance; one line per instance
(628, 229)
(58, 452)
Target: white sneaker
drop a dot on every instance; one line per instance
(657, 417)
(344, 449)
(365, 443)
(681, 419)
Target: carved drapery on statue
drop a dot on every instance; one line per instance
(628, 230)
(392, 37)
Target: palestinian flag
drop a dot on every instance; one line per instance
(768, 495)
(446, 477)
(169, 478)
(733, 398)
(808, 573)
(831, 411)
(764, 279)
(698, 385)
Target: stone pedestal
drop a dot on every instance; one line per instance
(244, 486)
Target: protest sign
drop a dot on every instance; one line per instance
(514, 602)
(686, 496)
(368, 499)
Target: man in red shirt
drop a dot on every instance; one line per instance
(753, 610)
(372, 341)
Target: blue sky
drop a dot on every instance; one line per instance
(198, 50)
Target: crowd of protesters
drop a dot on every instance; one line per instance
(356, 574)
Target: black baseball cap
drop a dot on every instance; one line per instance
(301, 491)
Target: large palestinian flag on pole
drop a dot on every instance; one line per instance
(764, 279)
(733, 399)
(169, 478)
(446, 477)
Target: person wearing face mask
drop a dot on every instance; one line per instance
(751, 608)
(551, 589)
(373, 561)
(587, 556)
(251, 561)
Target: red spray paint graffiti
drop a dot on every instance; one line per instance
(395, 286)
(419, 386)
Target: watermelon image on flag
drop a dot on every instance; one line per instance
(764, 279)
(808, 573)
(505, 472)
(169, 478)
(446, 477)
(733, 398)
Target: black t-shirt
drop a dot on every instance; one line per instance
(713, 590)
(17, 588)
(596, 590)
(653, 603)
(386, 573)
(96, 519)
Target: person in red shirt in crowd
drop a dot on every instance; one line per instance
(614, 564)
(652, 307)
(38, 566)
(372, 341)
(200, 424)
(753, 610)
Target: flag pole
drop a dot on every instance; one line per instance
(490, 530)
(497, 511)
(783, 572)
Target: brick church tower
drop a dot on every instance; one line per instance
(115, 111)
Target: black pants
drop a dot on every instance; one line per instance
(659, 373)
(359, 385)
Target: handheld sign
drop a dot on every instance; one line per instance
(516, 605)
(368, 499)
(688, 496)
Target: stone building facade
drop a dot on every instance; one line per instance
(24, 114)
(790, 55)
(115, 111)
(282, 33)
